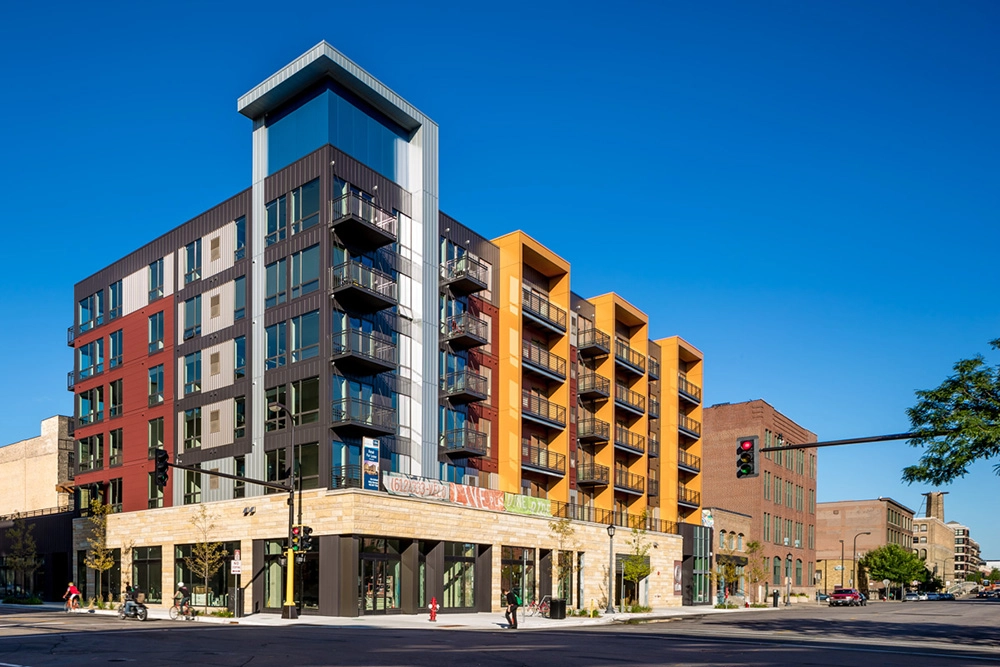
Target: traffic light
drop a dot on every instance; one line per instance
(162, 466)
(296, 538)
(306, 540)
(746, 457)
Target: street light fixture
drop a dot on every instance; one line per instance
(288, 609)
(611, 569)
(854, 558)
(841, 563)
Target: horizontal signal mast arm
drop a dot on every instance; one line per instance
(856, 441)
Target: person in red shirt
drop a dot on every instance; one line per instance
(72, 597)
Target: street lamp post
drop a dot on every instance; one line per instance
(841, 563)
(611, 569)
(288, 609)
(854, 558)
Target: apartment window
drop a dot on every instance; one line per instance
(778, 454)
(241, 238)
(275, 284)
(192, 486)
(767, 526)
(305, 336)
(777, 529)
(154, 436)
(307, 460)
(240, 298)
(156, 385)
(115, 447)
(722, 539)
(239, 417)
(274, 336)
(91, 311)
(800, 458)
(798, 534)
(277, 221)
(240, 470)
(154, 494)
(305, 271)
(192, 317)
(215, 363)
(305, 206)
(156, 332)
(214, 306)
(192, 429)
(115, 349)
(812, 501)
(812, 537)
(115, 494)
(114, 300)
(90, 406)
(798, 572)
(275, 470)
(115, 398)
(767, 485)
(240, 356)
(91, 358)
(192, 373)
(788, 494)
(156, 279)
(767, 443)
(215, 249)
(275, 420)
(90, 453)
(812, 466)
(305, 401)
(214, 421)
(776, 573)
(777, 489)
(192, 261)
(798, 498)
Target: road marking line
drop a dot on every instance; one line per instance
(7, 664)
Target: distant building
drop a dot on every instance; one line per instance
(732, 530)
(934, 540)
(967, 559)
(34, 472)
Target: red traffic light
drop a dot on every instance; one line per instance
(296, 530)
(746, 445)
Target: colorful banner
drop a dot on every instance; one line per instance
(707, 519)
(399, 484)
(473, 496)
(519, 504)
(369, 465)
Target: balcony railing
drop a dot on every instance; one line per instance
(363, 353)
(345, 477)
(654, 408)
(688, 462)
(464, 387)
(654, 445)
(543, 410)
(593, 429)
(465, 275)
(629, 359)
(362, 288)
(362, 223)
(464, 331)
(605, 517)
(70, 335)
(654, 487)
(542, 459)
(593, 342)
(626, 481)
(654, 369)
(539, 359)
(688, 426)
(464, 442)
(70, 380)
(629, 399)
(686, 496)
(592, 385)
(544, 311)
(629, 441)
(592, 473)
(687, 389)
(362, 417)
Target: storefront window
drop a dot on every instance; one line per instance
(459, 576)
(379, 572)
(517, 572)
(274, 574)
(189, 568)
(147, 570)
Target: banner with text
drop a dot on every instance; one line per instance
(519, 504)
(399, 484)
(369, 465)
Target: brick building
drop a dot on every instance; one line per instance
(732, 530)
(934, 540)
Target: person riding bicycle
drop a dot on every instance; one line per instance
(131, 598)
(72, 596)
(185, 596)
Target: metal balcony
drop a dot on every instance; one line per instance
(688, 497)
(538, 459)
(360, 223)
(654, 446)
(362, 289)
(353, 416)
(465, 275)
(70, 380)
(592, 474)
(70, 336)
(543, 312)
(363, 353)
(628, 441)
(654, 487)
(688, 426)
(593, 386)
(688, 390)
(593, 430)
(464, 387)
(345, 477)
(464, 331)
(464, 442)
(654, 408)
(628, 359)
(542, 362)
(654, 369)
(593, 343)
(541, 411)
(629, 482)
(629, 400)
(688, 462)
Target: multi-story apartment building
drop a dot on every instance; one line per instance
(967, 553)
(847, 529)
(781, 499)
(440, 397)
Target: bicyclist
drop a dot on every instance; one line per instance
(72, 596)
(185, 596)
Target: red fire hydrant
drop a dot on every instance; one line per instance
(433, 606)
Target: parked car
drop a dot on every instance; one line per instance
(933, 596)
(921, 596)
(822, 597)
(911, 597)
(947, 596)
(848, 597)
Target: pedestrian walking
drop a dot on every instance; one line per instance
(512, 605)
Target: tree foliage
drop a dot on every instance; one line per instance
(636, 566)
(564, 531)
(99, 556)
(23, 555)
(756, 569)
(893, 562)
(206, 557)
(959, 422)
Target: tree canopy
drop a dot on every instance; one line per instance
(960, 420)
(894, 563)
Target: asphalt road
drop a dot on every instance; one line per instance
(921, 633)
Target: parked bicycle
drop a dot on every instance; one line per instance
(539, 607)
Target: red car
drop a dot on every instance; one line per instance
(849, 597)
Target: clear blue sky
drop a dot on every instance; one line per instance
(808, 192)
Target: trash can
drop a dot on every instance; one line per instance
(775, 597)
(557, 608)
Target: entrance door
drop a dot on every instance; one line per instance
(380, 585)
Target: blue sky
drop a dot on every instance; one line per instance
(808, 192)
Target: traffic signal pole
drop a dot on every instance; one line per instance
(858, 441)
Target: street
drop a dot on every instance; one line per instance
(928, 633)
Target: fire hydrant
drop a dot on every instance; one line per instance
(433, 606)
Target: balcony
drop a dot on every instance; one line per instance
(362, 353)
(629, 482)
(654, 408)
(688, 462)
(345, 477)
(465, 275)
(70, 336)
(629, 400)
(687, 390)
(543, 312)
(360, 223)
(593, 343)
(689, 427)
(464, 442)
(464, 387)
(628, 359)
(654, 487)
(542, 362)
(541, 411)
(654, 446)
(538, 459)
(688, 497)
(464, 331)
(70, 380)
(362, 289)
(593, 386)
(592, 474)
(353, 416)
(593, 430)
(626, 440)
(654, 369)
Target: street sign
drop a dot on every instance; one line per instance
(885, 582)
(236, 554)
(236, 567)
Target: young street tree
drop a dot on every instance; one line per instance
(23, 555)
(99, 557)
(563, 530)
(206, 557)
(756, 569)
(966, 408)
(636, 565)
